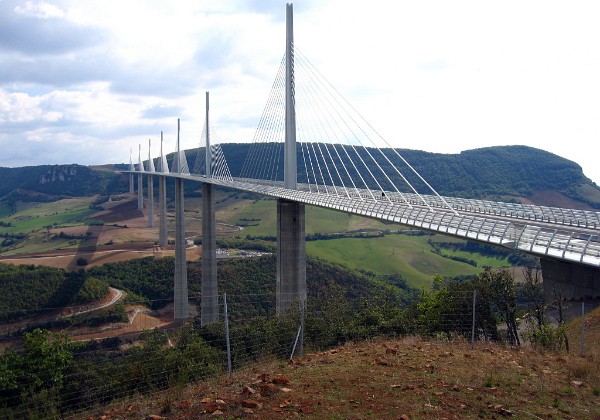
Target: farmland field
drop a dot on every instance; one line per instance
(36, 216)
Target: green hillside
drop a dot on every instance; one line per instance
(368, 244)
(51, 182)
(491, 172)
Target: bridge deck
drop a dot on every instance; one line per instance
(565, 234)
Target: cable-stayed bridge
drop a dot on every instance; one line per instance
(567, 234)
(311, 147)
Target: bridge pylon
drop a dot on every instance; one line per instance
(209, 305)
(150, 202)
(162, 198)
(291, 246)
(131, 169)
(181, 309)
(140, 181)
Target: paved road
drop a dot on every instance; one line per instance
(117, 295)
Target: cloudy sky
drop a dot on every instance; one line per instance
(85, 81)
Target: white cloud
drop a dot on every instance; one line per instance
(40, 10)
(434, 75)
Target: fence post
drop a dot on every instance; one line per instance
(299, 342)
(227, 334)
(302, 328)
(473, 323)
(296, 342)
(581, 344)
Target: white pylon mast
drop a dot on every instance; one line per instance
(164, 166)
(150, 160)
(179, 163)
(290, 170)
(207, 154)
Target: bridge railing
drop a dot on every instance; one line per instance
(571, 217)
(578, 247)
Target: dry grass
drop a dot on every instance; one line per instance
(385, 378)
(586, 367)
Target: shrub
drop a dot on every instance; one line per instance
(547, 337)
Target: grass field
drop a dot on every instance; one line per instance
(36, 216)
(39, 242)
(409, 256)
(318, 220)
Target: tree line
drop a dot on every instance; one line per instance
(27, 289)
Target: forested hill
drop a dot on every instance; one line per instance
(497, 173)
(49, 182)
(502, 170)
(491, 172)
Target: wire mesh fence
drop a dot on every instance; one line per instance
(81, 365)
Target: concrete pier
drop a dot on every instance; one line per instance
(291, 255)
(182, 310)
(131, 186)
(140, 192)
(209, 304)
(163, 235)
(569, 281)
(150, 203)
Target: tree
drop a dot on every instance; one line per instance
(47, 356)
(534, 293)
(499, 287)
(33, 380)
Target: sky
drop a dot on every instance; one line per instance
(86, 81)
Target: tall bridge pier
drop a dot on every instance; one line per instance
(291, 255)
(209, 308)
(182, 310)
(291, 247)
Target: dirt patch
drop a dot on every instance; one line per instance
(119, 211)
(551, 199)
(124, 235)
(67, 258)
(409, 378)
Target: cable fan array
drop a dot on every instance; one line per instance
(338, 151)
(218, 165)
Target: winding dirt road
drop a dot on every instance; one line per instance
(116, 296)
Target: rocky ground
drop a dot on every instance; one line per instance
(408, 378)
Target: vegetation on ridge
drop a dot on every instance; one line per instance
(491, 172)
